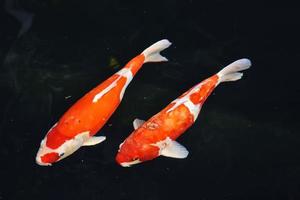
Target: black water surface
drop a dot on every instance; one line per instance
(244, 145)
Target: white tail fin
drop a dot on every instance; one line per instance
(231, 71)
(152, 53)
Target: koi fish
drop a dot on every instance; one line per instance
(88, 115)
(157, 136)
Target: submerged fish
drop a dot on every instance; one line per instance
(113, 62)
(23, 16)
(88, 115)
(157, 136)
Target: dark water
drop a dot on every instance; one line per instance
(244, 145)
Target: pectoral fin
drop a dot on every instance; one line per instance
(174, 150)
(94, 140)
(137, 123)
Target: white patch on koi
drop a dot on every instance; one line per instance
(125, 72)
(129, 76)
(194, 109)
(185, 100)
(107, 89)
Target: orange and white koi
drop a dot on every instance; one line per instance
(157, 136)
(88, 115)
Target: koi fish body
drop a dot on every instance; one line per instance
(88, 115)
(158, 135)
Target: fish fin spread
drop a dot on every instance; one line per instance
(94, 140)
(174, 150)
(152, 53)
(137, 123)
(231, 71)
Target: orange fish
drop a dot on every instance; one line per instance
(88, 115)
(157, 136)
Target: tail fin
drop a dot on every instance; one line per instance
(152, 53)
(231, 71)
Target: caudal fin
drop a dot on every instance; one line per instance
(152, 53)
(232, 71)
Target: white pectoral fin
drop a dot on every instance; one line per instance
(174, 150)
(94, 140)
(137, 123)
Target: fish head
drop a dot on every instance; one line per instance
(131, 153)
(55, 147)
(126, 160)
(46, 156)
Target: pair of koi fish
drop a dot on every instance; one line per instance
(150, 139)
